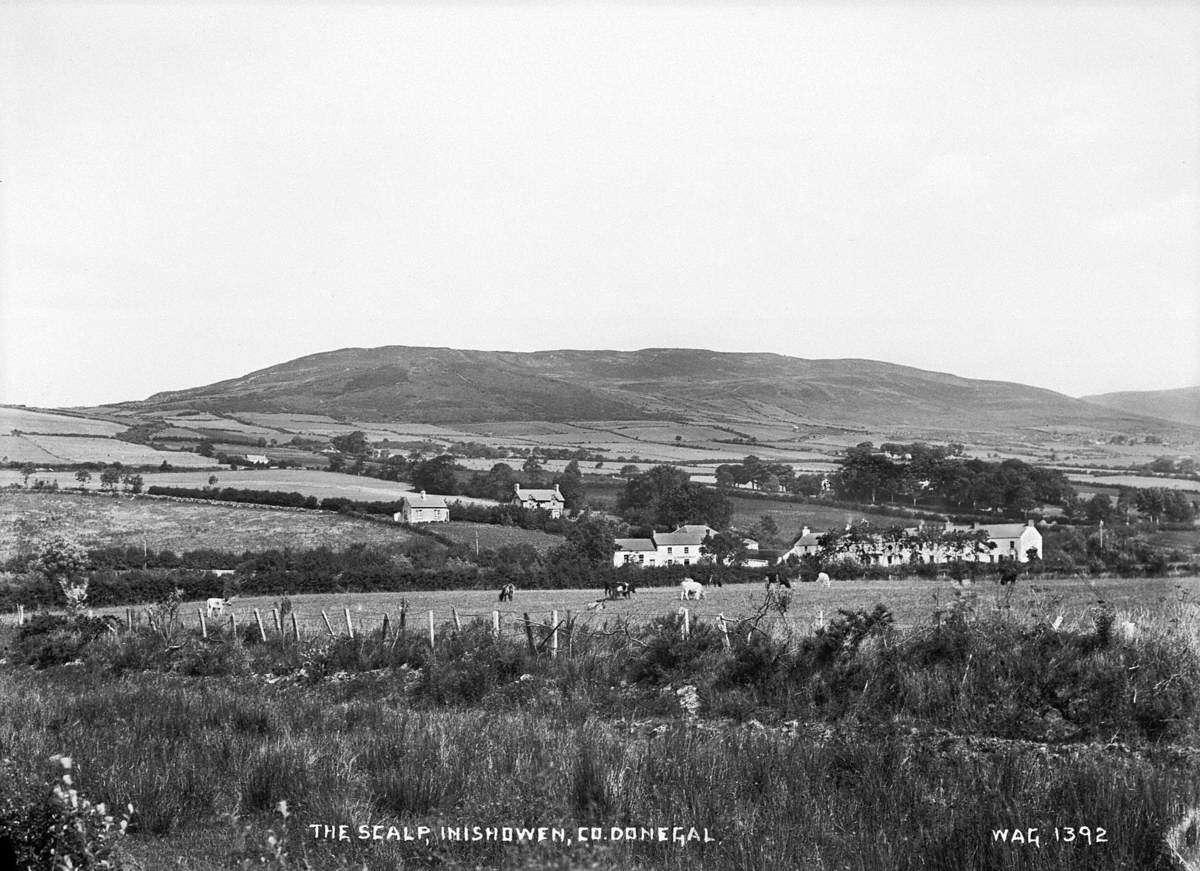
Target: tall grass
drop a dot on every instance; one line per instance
(882, 748)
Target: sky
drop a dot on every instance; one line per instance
(190, 192)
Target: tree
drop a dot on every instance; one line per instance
(62, 561)
(212, 480)
(336, 462)
(109, 479)
(435, 475)
(83, 476)
(570, 484)
(205, 448)
(135, 483)
(727, 551)
(664, 497)
(355, 444)
(768, 529)
(27, 469)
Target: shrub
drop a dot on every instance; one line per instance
(57, 828)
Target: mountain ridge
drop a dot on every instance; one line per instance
(449, 385)
(1180, 404)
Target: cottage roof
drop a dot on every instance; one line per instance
(679, 539)
(539, 495)
(809, 539)
(634, 544)
(701, 529)
(421, 500)
(993, 530)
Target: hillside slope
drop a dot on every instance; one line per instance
(445, 385)
(1181, 405)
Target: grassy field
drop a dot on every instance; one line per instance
(323, 485)
(489, 536)
(29, 519)
(911, 602)
(28, 421)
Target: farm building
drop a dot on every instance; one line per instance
(421, 508)
(1012, 541)
(257, 460)
(545, 500)
(1006, 541)
(681, 547)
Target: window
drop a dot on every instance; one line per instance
(669, 550)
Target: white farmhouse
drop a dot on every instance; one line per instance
(1012, 541)
(421, 508)
(636, 552)
(546, 500)
(681, 547)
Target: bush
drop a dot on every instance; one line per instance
(57, 827)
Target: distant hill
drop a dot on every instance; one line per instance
(445, 385)
(1181, 405)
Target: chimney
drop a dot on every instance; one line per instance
(1029, 522)
(422, 494)
(805, 531)
(556, 490)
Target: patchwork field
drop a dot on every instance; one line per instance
(323, 485)
(29, 421)
(29, 519)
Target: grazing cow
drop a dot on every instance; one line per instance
(824, 579)
(690, 589)
(216, 607)
(609, 590)
(506, 592)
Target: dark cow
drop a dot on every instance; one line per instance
(506, 592)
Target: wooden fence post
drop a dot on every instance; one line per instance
(403, 620)
(570, 624)
(724, 631)
(203, 624)
(529, 635)
(20, 615)
(349, 625)
(295, 628)
(457, 622)
(686, 627)
(129, 619)
(328, 625)
(383, 630)
(278, 625)
(432, 637)
(233, 629)
(495, 624)
(553, 634)
(262, 633)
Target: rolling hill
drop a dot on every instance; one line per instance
(445, 385)
(1181, 405)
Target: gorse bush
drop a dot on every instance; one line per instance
(56, 827)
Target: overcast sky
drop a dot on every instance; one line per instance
(189, 192)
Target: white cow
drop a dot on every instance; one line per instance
(690, 589)
(823, 578)
(216, 607)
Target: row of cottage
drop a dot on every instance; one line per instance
(1005, 541)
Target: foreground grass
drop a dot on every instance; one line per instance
(859, 746)
(188, 752)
